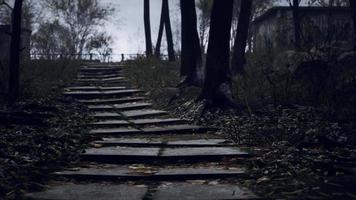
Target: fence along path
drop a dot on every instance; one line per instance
(141, 152)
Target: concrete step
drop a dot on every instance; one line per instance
(120, 107)
(199, 190)
(143, 142)
(113, 101)
(154, 154)
(93, 191)
(102, 94)
(184, 128)
(147, 172)
(94, 88)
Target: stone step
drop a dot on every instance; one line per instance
(196, 191)
(115, 131)
(94, 88)
(142, 142)
(184, 128)
(106, 115)
(102, 94)
(100, 74)
(143, 172)
(145, 122)
(134, 114)
(93, 191)
(139, 122)
(154, 154)
(101, 69)
(113, 101)
(109, 123)
(92, 80)
(126, 106)
(200, 190)
(90, 66)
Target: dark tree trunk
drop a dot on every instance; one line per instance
(217, 84)
(14, 79)
(353, 9)
(191, 60)
(146, 11)
(167, 23)
(296, 22)
(238, 58)
(160, 33)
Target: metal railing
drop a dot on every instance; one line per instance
(91, 57)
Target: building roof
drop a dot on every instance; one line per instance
(272, 11)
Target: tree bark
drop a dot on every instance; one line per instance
(146, 13)
(238, 58)
(165, 22)
(14, 66)
(191, 58)
(217, 84)
(169, 36)
(160, 33)
(296, 22)
(353, 9)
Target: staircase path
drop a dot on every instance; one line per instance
(142, 152)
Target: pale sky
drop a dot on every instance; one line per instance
(128, 28)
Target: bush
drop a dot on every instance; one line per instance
(153, 74)
(41, 78)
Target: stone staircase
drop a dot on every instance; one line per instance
(143, 153)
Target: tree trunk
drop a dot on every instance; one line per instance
(191, 60)
(160, 33)
(169, 36)
(238, 58)
(14, 79)
(146, 11)
(353, 9)
(296, 22)
(217, 84)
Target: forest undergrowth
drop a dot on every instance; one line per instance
(302, 151)
(43, 131)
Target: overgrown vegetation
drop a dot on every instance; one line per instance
(41, 132)
(303, 139)
(41, 78)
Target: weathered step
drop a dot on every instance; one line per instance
(96, 75)
(98, 94)
(154, 154)
(138, 122)
(99, 74)
(143, 172)
(183, 128)
(137, 191)
(126, 106)
(145, 122)
(115, 131)
(91, 80)
(103, 66)
(106, 115)
(111, 123)
(100, 69)
(94, 88)
(142, 142)
(143, 113)
(102, 191)
(194, 191)
(113, 101)
(188, 129)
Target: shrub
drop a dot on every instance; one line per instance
(41, 78)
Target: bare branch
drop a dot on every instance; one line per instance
(3, 2)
